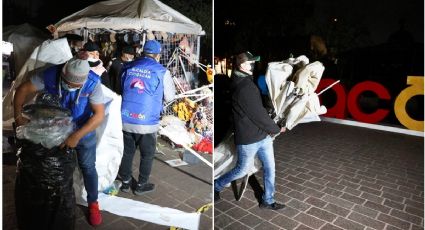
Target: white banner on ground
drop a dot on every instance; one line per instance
(148, 212)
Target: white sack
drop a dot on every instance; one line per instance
(49, 53)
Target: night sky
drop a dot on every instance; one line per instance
(356, 23)
(40, 13)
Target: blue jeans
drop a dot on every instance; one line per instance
(147, 147)
(246, 156)
(86, 155)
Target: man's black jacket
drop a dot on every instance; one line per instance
(251, 120)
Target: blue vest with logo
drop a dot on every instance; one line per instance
(143, 88)
(81, 111)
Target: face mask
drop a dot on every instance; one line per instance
(252, 67)
(90, 59)
(129, 60)
(66, 87)
(93, 62)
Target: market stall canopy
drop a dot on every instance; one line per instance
(130, 14)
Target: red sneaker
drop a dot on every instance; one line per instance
(95, 218)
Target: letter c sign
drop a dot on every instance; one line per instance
(416, 88)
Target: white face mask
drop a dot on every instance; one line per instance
(66, 87)
(247, 67)
(90, 59)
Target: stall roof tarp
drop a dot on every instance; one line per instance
(130, 14)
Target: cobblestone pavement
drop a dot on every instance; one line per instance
(334, 176)
(185, 188)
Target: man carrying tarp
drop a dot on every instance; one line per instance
(253, 130)
(80, 91)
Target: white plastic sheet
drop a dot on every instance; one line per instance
(148, 212)
(176, 130)
(50, 52)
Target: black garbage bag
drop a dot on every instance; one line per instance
(44, 194)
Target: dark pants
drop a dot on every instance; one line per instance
(147, 147)
(86, 156)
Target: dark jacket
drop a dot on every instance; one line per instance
(251, 120)
(114, 74)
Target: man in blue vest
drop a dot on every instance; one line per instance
(80, 92)
(145, 83)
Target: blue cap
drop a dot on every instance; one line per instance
(152, 47)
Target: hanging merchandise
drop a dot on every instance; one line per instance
(135, 39)
(199, 122)
(210, 74)
(112, 37)
(150, 36)
(104, 37)
(158, 35)
(120, 38)
(108, 49)
(164, 36)
(185, 46)
(184, 109)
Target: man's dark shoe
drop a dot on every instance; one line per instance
(274, 206)
(125, 187)
(144, 188)
(216, 196)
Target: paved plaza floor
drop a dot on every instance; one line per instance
(333, 176)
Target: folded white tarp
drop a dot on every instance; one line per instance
(292, 92)
(149, 212)
(130, 14)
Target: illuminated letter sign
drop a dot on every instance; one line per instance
(415, 88)
(353, 106)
